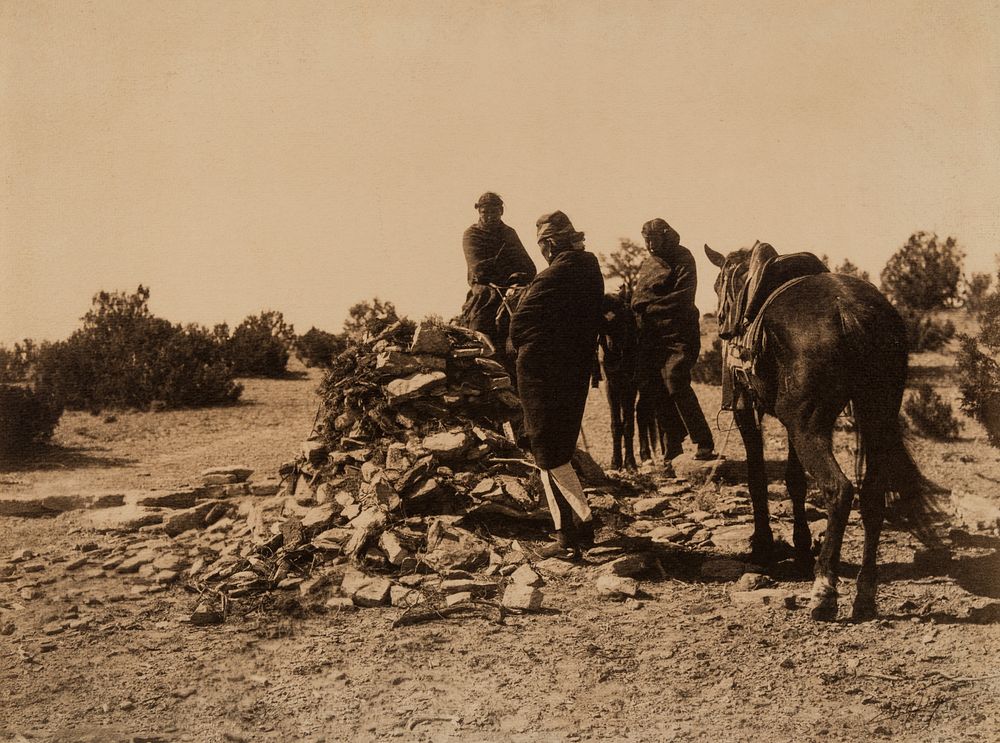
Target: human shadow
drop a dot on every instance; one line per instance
(55, 457)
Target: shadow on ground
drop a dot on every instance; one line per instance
(54, 457)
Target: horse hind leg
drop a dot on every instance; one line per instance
(872, 516)
(815, 451)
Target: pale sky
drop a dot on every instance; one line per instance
(301, 156)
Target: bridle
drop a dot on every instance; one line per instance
(732, 278)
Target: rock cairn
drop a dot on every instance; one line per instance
(414, 449)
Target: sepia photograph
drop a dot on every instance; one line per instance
(486, 371)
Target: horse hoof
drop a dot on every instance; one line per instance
(762, 553)
(824, 613)
(863, 613)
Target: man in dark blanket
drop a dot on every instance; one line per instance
(494, 255)
(670, 337)
(554, 331)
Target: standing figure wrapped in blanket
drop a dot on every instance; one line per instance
(554, 331)
(670, 338)
(494, 256)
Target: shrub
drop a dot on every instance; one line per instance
(976, 291)
(979, 373)
(924, 274)
(27, 419)
(318, 348)
(708, 368)
(260, 345)
(369, 318)
(123, 356)
(930, 415)
(15, 362)
(924, 332)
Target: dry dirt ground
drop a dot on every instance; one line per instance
(683, 663)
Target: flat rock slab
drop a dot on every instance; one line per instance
(240, 473)
(183, 498)
(734, 539)
(651, 506)
(34, 505)
(124, 518)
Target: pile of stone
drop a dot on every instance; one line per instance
(414, 451)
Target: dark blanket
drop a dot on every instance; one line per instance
(554, 332)
(494, 255)
(663, 300)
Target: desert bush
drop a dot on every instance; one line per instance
(976, 291)
(979, 373)
(123, 356)
(924, 332)
(260, 345)
(708, 368)
(849, 269)
(623, 263)
(27, 419)
(369, 318)
(318, 348)
(930, 415)
(15, 362)
(921, 277)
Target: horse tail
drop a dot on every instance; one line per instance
(856, 321)
(913, 502)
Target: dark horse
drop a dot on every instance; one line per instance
(828, 340)
(618, 354)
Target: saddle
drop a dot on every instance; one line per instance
(769, 275)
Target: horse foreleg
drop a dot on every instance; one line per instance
(762, 542)
(815, 451)
(611, 387)
(795, 482)
(628, 424)
(643, 414)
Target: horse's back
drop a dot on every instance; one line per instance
(839, 329)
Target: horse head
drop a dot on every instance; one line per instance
(733, 272)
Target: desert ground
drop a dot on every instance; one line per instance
(88, 654)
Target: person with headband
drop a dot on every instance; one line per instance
(554, 333)
(494, 257)
(670, 338)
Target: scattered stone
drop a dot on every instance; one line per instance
(617, 587)
(405, 597)
(555, 566)
(447, 444)
(764, 597)
(394, 551)
(340, 603)
(191, 518)
(400, 390)
(451, 547)
(651, 506)
(733, 538)
(627, 565)
(319, 518)
(525, 576)
(373, 593)
(522, 596)
(750, 582)
(430, 339)
(458, 598)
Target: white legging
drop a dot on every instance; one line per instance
(565, 480)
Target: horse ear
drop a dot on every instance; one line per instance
(718, 259)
